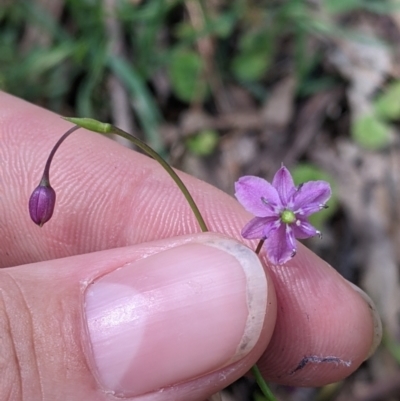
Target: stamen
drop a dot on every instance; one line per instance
(319, 234)
(293, 254)
(323, 206)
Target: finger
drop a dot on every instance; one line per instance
(101, 187)
(176, 319)
(125, 198)
(320, 334)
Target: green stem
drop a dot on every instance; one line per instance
(146, 148)
(261, 383)
(97, 126)
(256, 372)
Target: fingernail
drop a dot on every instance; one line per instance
(174, 316)
(377, 324)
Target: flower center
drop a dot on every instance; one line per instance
(288, 217)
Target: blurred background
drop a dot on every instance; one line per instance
(226, 88)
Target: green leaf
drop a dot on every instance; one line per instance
(142, 100)
(250, 67)
(185, 31)
(392, 346)
(304, 172)
(387, 105)
(375, 6)
(186, 74)
(42, 60)
(370, 132)
(254, 56)
(341, 6)
(223, 25)
(203, 143)
(220, 26)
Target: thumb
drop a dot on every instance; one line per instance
(176, 319)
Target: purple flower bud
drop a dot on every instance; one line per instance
(41, 203)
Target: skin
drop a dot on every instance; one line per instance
(107, 198)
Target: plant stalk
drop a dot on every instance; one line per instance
(261, 383)
(256, 372)
(103, 128)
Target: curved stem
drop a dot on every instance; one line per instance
(142, 145)
(97, 126)
(261, 383)
(46, 172)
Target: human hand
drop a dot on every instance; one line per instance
(142, 305)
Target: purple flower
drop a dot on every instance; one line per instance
(41, 203)
(281, 211)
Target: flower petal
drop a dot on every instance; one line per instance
(311, 197)
(283, 182)
(271, 225)
(281, 245)
(257, 196)
(259, 227)
(303, 229)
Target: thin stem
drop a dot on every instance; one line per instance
(142, 145)
(261, 383)
(46, 172)
(104, 128)
(259, 246)
(256, 372)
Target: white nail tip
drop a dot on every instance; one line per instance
(257, 291)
